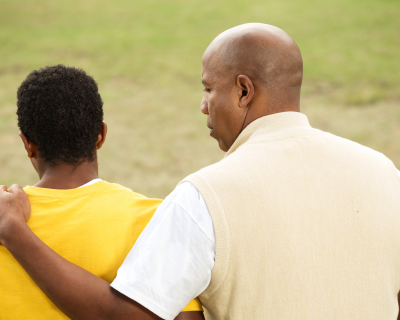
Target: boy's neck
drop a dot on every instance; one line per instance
(65, 176)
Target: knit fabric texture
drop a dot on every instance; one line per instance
(307, 226)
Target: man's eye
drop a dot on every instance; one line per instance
(206, 90)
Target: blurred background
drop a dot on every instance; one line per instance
(146, 58)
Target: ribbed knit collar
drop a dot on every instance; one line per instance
(290, 122)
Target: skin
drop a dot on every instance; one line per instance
(39, 260)
(248, 72)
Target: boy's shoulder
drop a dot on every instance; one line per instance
(99, 192)
(107, 203)
(118, 189)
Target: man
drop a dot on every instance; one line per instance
(90, 222)
(306, 223)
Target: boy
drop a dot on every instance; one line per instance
(90, 222)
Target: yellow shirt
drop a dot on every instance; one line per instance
(94, 227)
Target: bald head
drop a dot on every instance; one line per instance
(249, 71)
(266, 54)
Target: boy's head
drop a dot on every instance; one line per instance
(60, 115)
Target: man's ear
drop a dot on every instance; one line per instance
(102, 136)
(246, 88)
(30, 147)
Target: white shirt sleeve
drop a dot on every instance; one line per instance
(398, 173)
(171, 262)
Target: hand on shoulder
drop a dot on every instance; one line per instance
(15, 209)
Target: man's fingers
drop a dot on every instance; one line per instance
(16, 189)
(14, 203)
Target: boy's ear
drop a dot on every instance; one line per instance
(102, 136)
(30, 147)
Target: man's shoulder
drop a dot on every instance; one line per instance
(323, 144)
(353, 148)
(209, 173)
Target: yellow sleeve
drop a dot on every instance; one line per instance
(193, 305)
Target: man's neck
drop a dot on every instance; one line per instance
(65, 176)
(265, 105)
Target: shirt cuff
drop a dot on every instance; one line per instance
(142, 300)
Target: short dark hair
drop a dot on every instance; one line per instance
(60, 110)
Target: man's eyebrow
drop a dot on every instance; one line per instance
(204, 82)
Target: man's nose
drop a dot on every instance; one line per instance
(204, 106)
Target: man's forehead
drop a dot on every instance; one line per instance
(205, 77)
(210, 74)
(204, 81)
(211, 65)
(211, 56)
(206, 72)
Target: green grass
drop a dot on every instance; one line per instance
(146, 57)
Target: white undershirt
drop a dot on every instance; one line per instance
(90, 182)
(171, 262)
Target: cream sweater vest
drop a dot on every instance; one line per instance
(307, 226)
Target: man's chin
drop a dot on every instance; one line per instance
(223, 146)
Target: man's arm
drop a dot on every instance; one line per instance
(77, 292)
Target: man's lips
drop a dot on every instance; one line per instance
(208, 123)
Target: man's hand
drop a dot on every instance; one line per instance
(15, 209)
